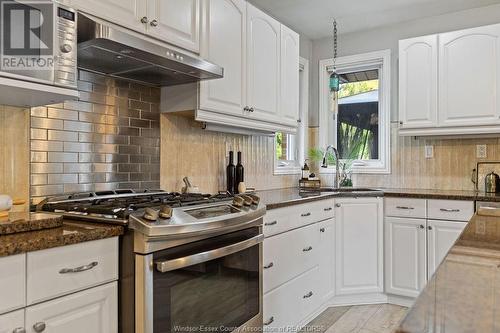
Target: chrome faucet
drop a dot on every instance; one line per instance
(336, 183)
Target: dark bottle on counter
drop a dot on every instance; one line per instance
(240, 173)
(231, 174)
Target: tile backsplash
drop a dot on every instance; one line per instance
(108, 139)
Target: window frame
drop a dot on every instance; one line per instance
(382, 61)
(301, 134)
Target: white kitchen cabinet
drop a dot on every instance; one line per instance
(359, 246)
(418, 81)
(289, 104)
(469, 77)
(93, 310)
(263, 65)
(12, 322)
(405, 256)
(176, 22)
(441, 237)
(326, 250)
(127, 13)
(12, 282)
(224, 24)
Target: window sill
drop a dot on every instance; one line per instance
(358, 170)
(287, 171)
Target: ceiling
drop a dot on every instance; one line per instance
(313, 18)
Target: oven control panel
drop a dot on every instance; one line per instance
(65, 53)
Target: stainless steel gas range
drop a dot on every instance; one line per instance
(189, 263)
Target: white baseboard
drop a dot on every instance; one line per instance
(400, 300)
(361, 299)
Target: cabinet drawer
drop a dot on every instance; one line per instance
(290, 303)
(93, 310)
(451, 210)
(49, 271)
(12, 320)
(289, 254)
(405, 207)
(12, 282)
(282, 219)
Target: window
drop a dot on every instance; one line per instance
(358, 123)
(289, 148)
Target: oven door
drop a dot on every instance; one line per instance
(213, 285)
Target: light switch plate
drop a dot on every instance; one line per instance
(429, 151)
(481, 151)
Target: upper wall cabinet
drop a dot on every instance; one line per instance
(418, 82)
(450, 83)
(260, 57)
(173, 21)
(469, 70)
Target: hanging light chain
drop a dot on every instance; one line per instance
(335, 43)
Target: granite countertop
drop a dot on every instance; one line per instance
(464, 292)
(71, 232)
(23, 221)
(291, 196)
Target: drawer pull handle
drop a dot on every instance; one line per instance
(307, 249)
(421, 227)
(271, 223)
(39, 327)
(269, 265)
(309, 294)
(322, 230)
(19, 330)
(429, 227)
(305, 214)
(449, 210)
(338, 205)
(269, 322)
(328, 209)
(405, 208)
(79, 269)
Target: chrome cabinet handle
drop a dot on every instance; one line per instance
(269, 322)
(39, 327)
(306, 215)
(322, 229)
(271, 264)
(309, 294)
(79, 269)
(328, 209)
(338, 205)
(448, 210)
(144, 19)
(251, 109)
(19, 330)
(421, 227)
(246, 108)
(429, 227)
(154, 23)
(307, 249)
(271, 223)
(405, 207)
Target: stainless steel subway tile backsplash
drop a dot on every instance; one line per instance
(108, 139)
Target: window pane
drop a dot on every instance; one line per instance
(286, 149)
(358, 116)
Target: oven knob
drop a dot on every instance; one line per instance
(166, 212)
(150, 214)
(238, 201)
(66, 48)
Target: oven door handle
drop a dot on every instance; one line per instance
(164, 266)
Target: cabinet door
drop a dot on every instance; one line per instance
(12, 282)
(441, 237)
(405, 256)
(289, 105)
(11, 321)
(358, 246)
(326, 253)
(469, 77)
(225, 24)
(93, 310)
(263, 65)
(127, 13)
(418, 81)
(176, 22)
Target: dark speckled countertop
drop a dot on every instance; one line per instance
(71, 232)
(464, 293)
(441, 194)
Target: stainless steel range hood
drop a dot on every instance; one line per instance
(115, 51)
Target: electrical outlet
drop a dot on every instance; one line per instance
(481, 151)
(429, 151)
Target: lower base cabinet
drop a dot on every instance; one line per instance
(12, 322)
(93, 310)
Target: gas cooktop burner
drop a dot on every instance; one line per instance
(116, 206)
